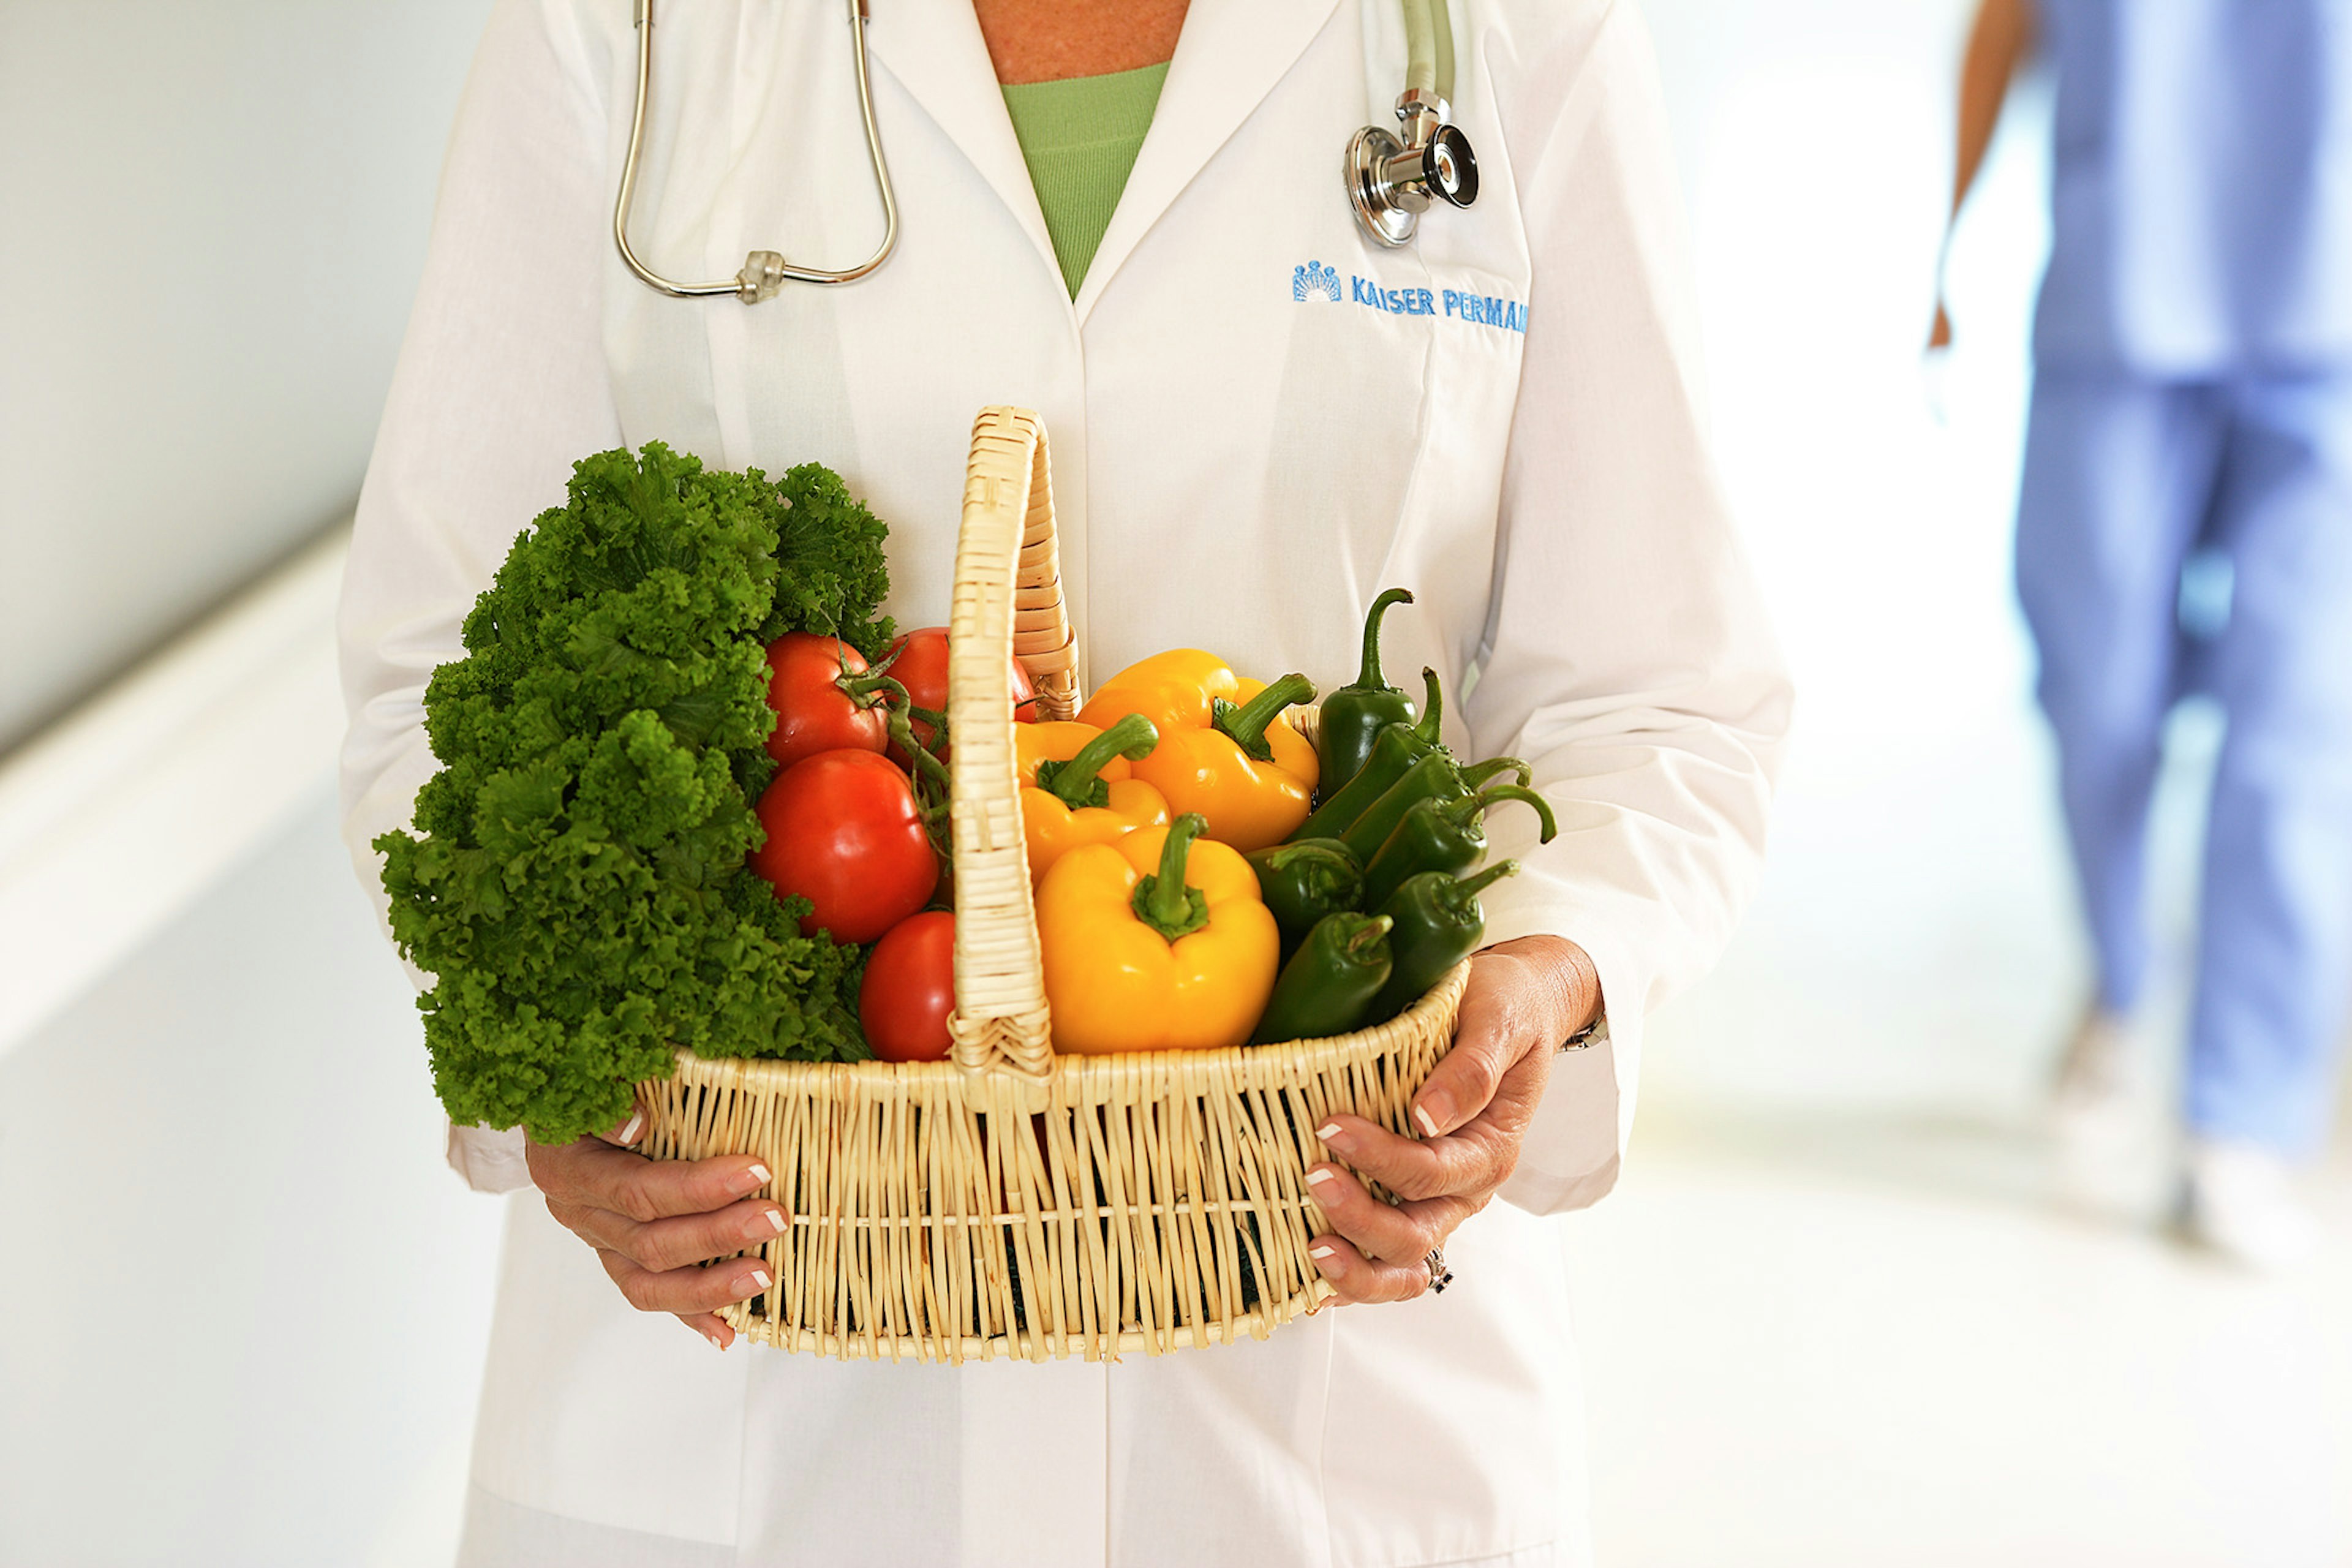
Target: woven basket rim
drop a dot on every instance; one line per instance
(777, 1072)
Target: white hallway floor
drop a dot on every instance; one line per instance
(1835, 1314)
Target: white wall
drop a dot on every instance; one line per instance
(245, 1303)
(213, 215)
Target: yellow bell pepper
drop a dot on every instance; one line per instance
(1225, 749)
(1155, 943)
(1076, 787)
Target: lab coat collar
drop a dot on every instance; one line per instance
(1229, 57)
(942, 62)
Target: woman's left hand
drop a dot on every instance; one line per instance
(1525, 999)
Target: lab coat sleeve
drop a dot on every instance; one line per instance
(502, 385)
(1627, 652)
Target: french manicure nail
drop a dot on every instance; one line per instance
(1428, 1122)
(759, 1279)
(1317, 1178)
(1321, 1251)
(1327, 1132)
(631, 1127)
(750, 1180)
(764, 1224)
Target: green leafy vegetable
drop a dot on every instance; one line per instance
(576, 884)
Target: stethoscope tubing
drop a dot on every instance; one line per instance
(1429, 87)
(763, 271)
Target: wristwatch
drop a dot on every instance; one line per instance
(1596, 1033)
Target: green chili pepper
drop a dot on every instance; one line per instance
(1436, 776)
(1330, 983)
(1436, 923)
(1354, 716)
(1395, 749)
(1443, 836)
(1303, 882)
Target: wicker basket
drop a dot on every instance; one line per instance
(1011, 1202)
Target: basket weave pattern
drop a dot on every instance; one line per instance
(1011, 1202)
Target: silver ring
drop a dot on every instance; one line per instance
(1440, 1276)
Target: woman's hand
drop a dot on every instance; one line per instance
(1525, 999)
(655, 1224)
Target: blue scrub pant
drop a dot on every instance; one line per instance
(2125, 480)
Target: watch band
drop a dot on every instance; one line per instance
(1593, 1033)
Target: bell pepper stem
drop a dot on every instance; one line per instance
(1162, 899)
(1432, 713)
(1476, 775)
(1075, 783)
(1470, 887)
(1246, 725)
(1478, 806)
(1369, 677)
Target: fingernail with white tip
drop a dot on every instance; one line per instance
(631, 1127)
(1317, 1178)
(1322, 1251)
(1428, 1122)
(1327, 1132)
(759, 1279)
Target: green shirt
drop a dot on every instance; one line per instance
(1079, 138)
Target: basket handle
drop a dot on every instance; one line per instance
(1007, 602)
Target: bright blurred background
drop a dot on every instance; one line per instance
(1834, 1315)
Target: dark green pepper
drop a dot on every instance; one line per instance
(1443, 836)
(1330, 983)
(1395, 749)
(1436, 922)
(1354, 716)
(1303, 882)
(1436, 776)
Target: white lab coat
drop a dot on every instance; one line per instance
(1240, 463)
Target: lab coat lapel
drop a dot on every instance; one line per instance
(941, 62)
(1231, 54)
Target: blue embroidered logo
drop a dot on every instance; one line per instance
(1315, 282)
(1318, 282)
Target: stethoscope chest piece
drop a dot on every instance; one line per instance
(1393, 180)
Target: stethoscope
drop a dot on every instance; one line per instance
(1391, 180)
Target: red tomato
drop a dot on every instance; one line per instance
(920, 663)
(910, 989)
(813, 712)
(844, 833)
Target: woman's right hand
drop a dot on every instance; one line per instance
(656, 1224)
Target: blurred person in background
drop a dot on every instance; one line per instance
(2192, 402)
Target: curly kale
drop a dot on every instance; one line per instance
(576, 884)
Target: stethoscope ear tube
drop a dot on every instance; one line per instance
(764, 271)
(1390, 180)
